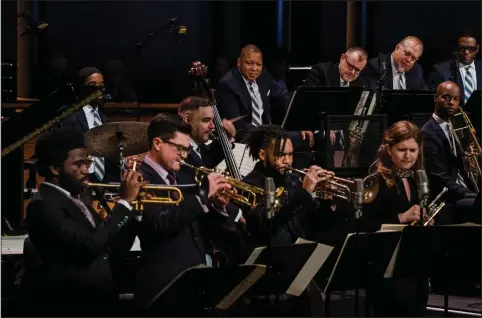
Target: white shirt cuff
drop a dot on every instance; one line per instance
(205, 208)
(126, 204)
(240, 214)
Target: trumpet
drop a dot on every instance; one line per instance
(138, 204)
(245, 193)
(333, 186)
(472, 151)
(434, 207)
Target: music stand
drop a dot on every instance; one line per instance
(372, 252)
(203, 288)
(447, 253)
(308, 103)
(399, 104)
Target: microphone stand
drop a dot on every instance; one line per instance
(140, 48)
(358, 216)
(381, 82)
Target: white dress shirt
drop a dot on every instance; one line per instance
(396, 76)
(89, 115)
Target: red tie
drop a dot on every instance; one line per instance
(171, 177)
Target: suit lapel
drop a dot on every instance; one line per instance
(239, 86)
(389, 76)
(334, 76)
(82, 119)
(442, 136)
(150, 174)
(263, 91)
(478, 75)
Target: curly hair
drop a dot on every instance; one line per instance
(261, 137)
(398, 132)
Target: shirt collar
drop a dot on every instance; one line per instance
(394, 69)
(472, 65)
(67, 193)
(89, 108)
(157, 167)
(195, 146)
(248, 83)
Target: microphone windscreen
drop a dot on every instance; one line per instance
(422, 176)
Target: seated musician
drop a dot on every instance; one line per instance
(250, 91)
(443, 160)
(169, 235)
(395, 201)
(221, 227)
(73, 245)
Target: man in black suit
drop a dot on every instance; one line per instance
(169, 235)
(250, 91)
(222, 227)
(73, 245)
(343, 74)
(88, 80)
(403, 71)
(468, 71)
(443, 159)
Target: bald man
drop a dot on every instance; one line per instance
(403, 71)
(443, 160)
(249, 91)
(343, 74)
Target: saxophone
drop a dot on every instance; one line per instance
(357, 130)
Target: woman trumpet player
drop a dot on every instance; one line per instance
(394, 200)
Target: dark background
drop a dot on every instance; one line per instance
(92, 32)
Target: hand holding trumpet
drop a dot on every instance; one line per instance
(314, 176)
(131, 183)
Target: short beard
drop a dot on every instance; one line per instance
(68, 183)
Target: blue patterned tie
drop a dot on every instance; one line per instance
(99, 167)
(468, 83)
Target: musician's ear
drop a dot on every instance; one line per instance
(238, 63)
(54, 170)
(186, 117)
(156, 143)
(262, 155)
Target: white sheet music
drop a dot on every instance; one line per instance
(245, 164)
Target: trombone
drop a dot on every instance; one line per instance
(333, 186)
(138, 204)
(245, 193)
(434, 207)
(471, 153)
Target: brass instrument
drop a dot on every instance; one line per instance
(139, 204)
(434, 207)
(471, 153)
(52, 122)
(333, 186)
(245, 194)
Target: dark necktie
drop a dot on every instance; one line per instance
(171, 177)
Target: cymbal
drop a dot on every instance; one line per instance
(104, 140)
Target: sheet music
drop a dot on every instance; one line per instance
(245, 164)
(242, 287)
(391, 265)
(254, 255)
(392, 227)
(311, 267)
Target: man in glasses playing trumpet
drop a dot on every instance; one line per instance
(170, 235)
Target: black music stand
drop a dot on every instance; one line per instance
(203, 290)
(292, 267)
(372, 252)
(473, 107)
(399, 104)
(448, 253)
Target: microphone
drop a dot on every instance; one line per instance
(358, 199)
(382, 63)
(269, 196)
(423, 190)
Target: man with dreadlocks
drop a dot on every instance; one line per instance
(271, 145)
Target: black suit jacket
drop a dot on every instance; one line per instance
(441, 72)
(170, 239)
(73, 267)
(77, 121)
(371, 73)
(234, 100)
(441, 164)
(388, 203)
(328, 74)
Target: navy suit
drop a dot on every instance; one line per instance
(328, 74)
(72, 270)
(413, 78)
(234, 100)
(170, 239)
(441, 72)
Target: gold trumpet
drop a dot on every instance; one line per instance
(332, 186)
(434, 207)
(245, 193)
(139, 203)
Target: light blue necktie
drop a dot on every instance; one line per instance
(468, 83)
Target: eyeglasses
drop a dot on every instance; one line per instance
(352, 67)
(180, 148)
(462, 48)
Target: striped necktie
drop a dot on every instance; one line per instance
(99, 167)
(401, 81)
(468, 83)
(257, 107)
